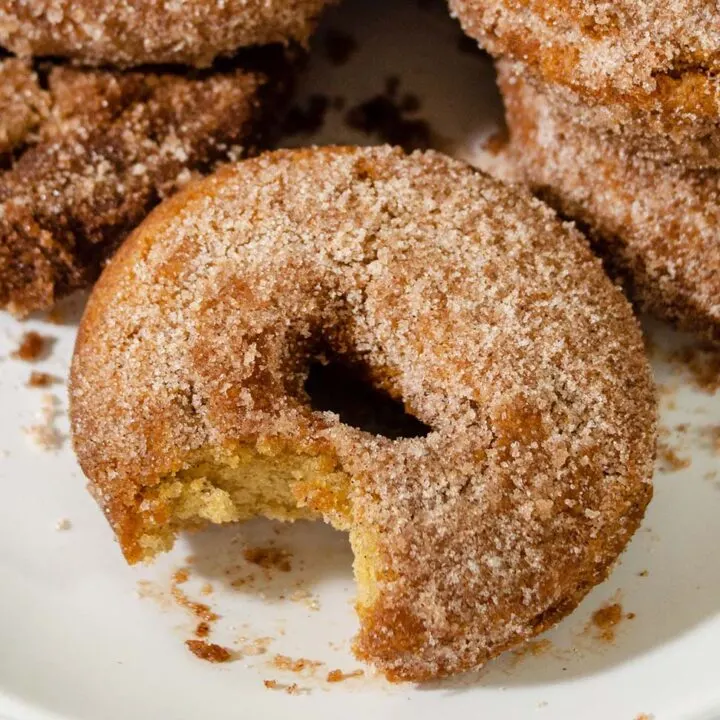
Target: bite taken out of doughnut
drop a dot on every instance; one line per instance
(467, 300)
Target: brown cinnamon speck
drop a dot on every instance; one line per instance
(335, 676)
(605, 620)
(283, 662)
(209, 651)
(31, 348)
(202, 630)
(291, 689)
(40, 379)
(200, 610)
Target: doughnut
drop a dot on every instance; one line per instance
(468, 301)
(678, 139)
(653, 58)
(134, 32)
(111, 146)
(656, 225)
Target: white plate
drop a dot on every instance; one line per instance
(77, 642)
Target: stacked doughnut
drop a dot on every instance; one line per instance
(139, 97)
(613, 111)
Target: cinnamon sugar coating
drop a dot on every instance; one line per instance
(470, 301)
(654, 56)
(23, 104)
(656, 224)
(680, 138)
(111, 146)
(133, 32)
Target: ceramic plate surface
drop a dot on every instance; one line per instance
(85, 637)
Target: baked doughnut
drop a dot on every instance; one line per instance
(679, 138)
(111, 146)
(652, 58)
(133, 32)
(471, 302)
(656, 225)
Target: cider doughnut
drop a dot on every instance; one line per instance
(134, 32)
(657, 59)
(109, 146)
(679, 138)
(469, 301)
(657, 225)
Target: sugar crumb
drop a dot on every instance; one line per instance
(335, 676)
(296, 665)
(32, 347)
(210, 652)
(40, 379)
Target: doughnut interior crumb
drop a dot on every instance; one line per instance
(223, 486)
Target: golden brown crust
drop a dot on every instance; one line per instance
(487, 316)
(656, 225)
(133, 32)
(113, 144)
(654, 56)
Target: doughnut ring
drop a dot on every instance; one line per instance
(491, 320)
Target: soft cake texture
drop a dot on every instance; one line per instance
(470, 301)
(134, 32)
(655, 224)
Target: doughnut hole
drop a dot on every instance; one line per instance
(265, 479)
